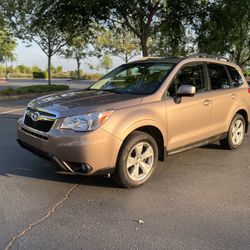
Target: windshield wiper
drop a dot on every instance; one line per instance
(119, 91)
(110, 90)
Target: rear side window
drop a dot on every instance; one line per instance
(188, 75)
(236, 77)
(218, 76)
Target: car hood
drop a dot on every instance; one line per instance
(83, 101)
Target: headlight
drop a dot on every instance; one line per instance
(86, 122)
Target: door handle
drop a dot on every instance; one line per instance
(207, 102)
(233, 96)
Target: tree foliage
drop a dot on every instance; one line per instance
(77, 48)
(141, 17)
(223, 27)
(35, 25)
(7, 46)
(116, 42)
(156, 27)
(106, 62)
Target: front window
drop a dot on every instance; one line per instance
(189, 75)
(142, 78)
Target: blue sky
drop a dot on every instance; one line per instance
(33, 55)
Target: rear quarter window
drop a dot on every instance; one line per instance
(236, 77)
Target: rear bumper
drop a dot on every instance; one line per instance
(83, 153)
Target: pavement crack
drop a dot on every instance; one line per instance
(49, 213)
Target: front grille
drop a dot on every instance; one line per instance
(40, 125)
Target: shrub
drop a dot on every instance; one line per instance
(7, 91)
(85, 76)
(41, 75)
(92, 76)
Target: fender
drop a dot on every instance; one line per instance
(236, 110)
(130, 119)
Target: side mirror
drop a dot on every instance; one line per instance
(184, 90)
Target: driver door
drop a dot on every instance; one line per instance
(189, 121)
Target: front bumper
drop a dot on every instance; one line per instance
(86, 153)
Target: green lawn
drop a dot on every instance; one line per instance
(34, 89)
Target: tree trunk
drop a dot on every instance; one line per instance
(78, 68)
(49, 69)
(6, 70)
(126, 57)
(144, 46)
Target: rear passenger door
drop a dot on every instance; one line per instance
(223, 96)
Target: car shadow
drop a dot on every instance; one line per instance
(15, 160)
(213, 146)
(41, 169)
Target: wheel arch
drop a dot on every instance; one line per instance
(156, 134)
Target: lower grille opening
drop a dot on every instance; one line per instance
(35, 134)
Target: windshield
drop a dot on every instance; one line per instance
(142, 78)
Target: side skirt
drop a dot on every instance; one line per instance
(198, 144)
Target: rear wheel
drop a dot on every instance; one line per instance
(137, 160)
(235, 134)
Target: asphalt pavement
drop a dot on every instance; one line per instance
(198, 199)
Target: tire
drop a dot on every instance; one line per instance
(134, 168)
(236, 132)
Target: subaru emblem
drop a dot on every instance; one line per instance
(35, 116)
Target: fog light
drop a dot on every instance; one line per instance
(79, 168)
(86, 168)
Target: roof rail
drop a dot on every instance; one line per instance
(204, 55)
(150, 57)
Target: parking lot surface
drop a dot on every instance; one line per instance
(198, 199)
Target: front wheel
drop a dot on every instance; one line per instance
(137, 160)
(235, 134)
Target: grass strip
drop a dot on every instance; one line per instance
(33, 89)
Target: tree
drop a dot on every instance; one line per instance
(141, 17)
(116, 42)
(77, 49)
(7, 47)
(170, 41)
(34, 24)
(35, 68)
(145, 18)
(49, 38)
(23, 69)
(223, 27)
(59, 69)
(75, 16)
(106, 62)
